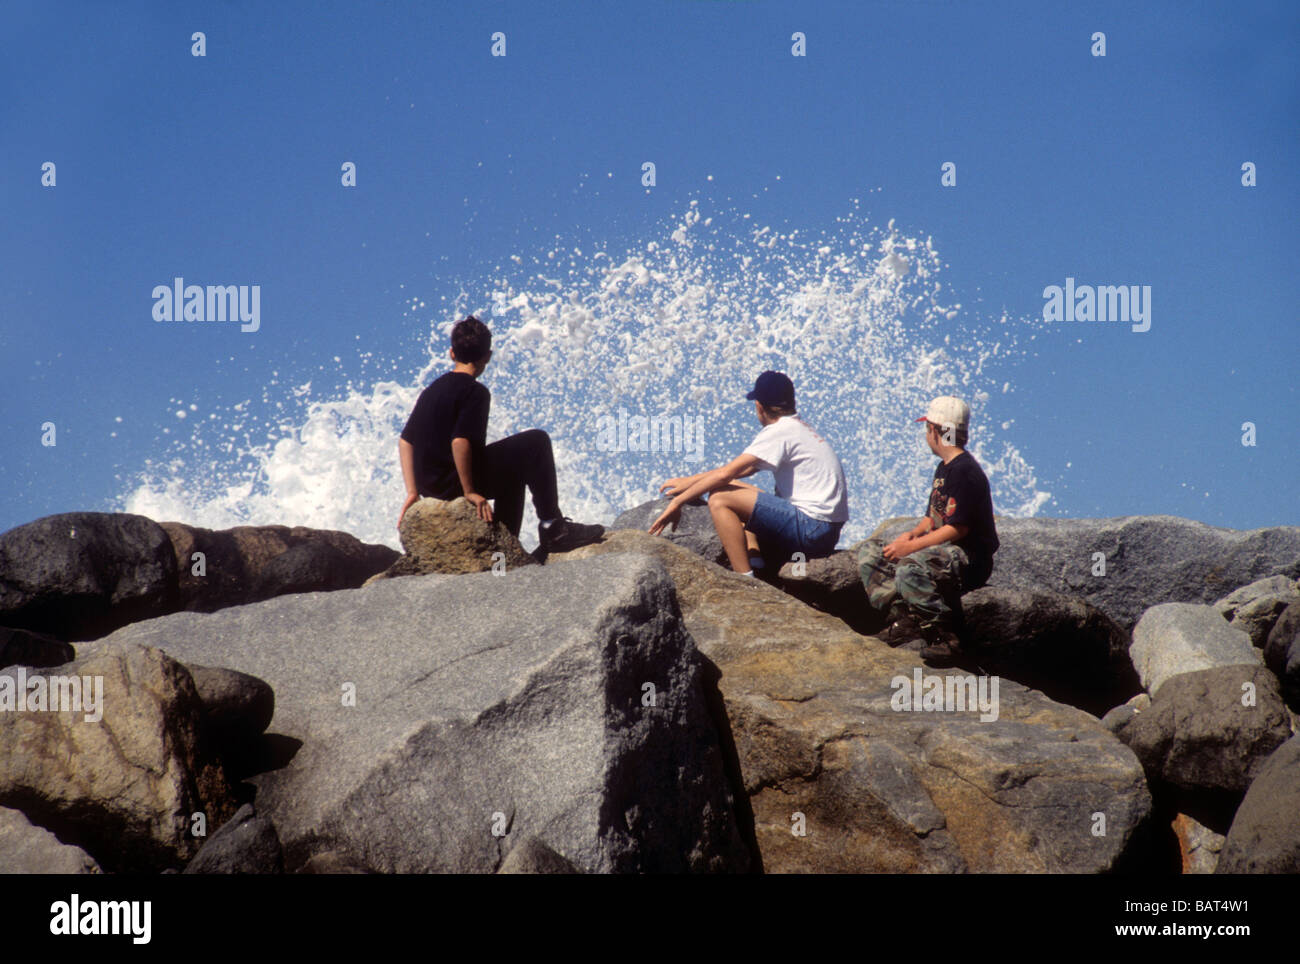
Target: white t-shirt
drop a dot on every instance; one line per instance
(807, 471)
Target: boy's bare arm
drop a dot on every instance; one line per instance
(740, 466)
(406, 455)
(940, 535)
(922, 537)
(462, 455)
(704, 482)
(677, 486)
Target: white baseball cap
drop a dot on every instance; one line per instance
(948, 410)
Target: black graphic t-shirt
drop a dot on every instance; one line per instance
(960, 496)
(454, 405)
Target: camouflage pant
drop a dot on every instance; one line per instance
(926, 582)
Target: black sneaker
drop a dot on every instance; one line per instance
(942, 647)
(565, 534)
(902, 630)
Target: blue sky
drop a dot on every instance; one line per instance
(225, 169)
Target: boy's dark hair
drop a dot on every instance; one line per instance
(470, 341)
(778, 409)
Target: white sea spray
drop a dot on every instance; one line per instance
(676, 325)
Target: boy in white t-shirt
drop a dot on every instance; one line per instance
(811, 503)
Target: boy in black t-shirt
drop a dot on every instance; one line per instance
(918, 579)
(444, 455)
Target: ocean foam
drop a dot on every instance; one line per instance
(680, 325)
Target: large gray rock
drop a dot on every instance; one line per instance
(1120, 716)
(1282, 653)
(245, 844)
(237, 707)
(834, 585)
(252, 563)
(694, 531)
(79, 575)
(1209, 731)
(1148, 560)
(482, 703)
(1061, 645)
(28, 849)
(1265, 834)
(820, 746)
(125, 786)
(1255, 608)
(1175, 638)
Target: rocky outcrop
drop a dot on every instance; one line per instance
(28, 849)
(252, 563)
(79, 575)
(1147, 559)
(22, 647)
(449, 537)
(1282, 653)
(245, 844)
(1255, 608)
(694, 530)
(1265, 834)
(840, 780)
(1176, 638)
(125, 786)
(237, 708)
(1209, 730)
(1068, 649)
(1198, 845)
(330, 862)
(531, 856)
(442, 718)
(1121, 715)
(834, 585)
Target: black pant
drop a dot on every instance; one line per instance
(509, 465)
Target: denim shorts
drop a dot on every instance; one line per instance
(779, 524)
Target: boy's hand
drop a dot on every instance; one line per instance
(481, 504)
(670, 517)
(411, 499)
(899, 547)
(674, 487)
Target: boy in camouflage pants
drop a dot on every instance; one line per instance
(917, 580)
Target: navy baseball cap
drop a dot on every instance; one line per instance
(772, 388)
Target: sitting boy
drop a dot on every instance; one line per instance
(917, 581)
(811, 503)
(444, 456)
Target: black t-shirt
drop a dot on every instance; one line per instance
(960, 496)
(454, 405)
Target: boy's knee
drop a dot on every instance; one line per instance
(911, 567)
(913, 577)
